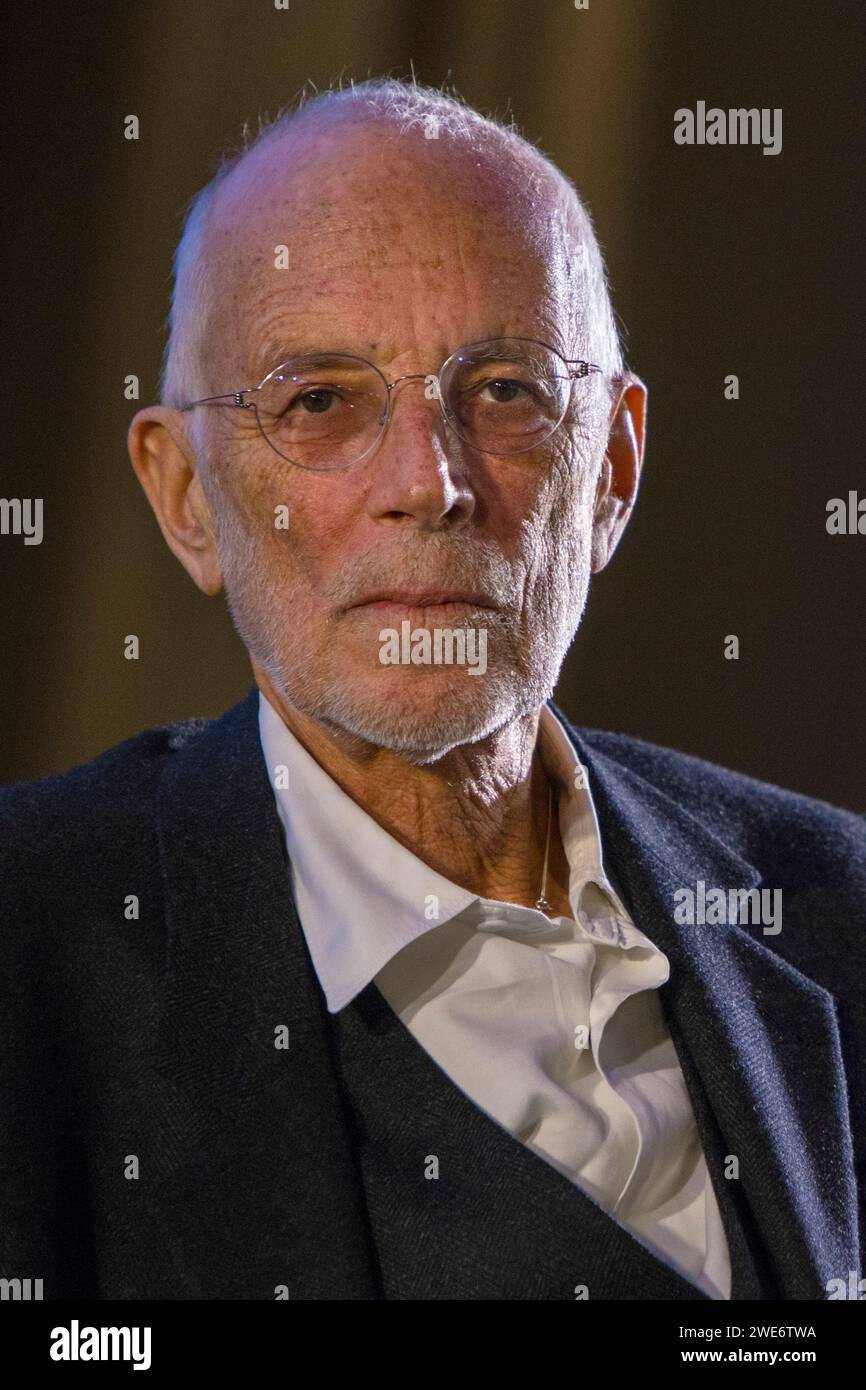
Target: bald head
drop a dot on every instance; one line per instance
(373, 189)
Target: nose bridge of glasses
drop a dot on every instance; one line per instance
(414, 376)
(430, 379)
(411, 376)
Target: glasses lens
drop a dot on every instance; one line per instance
(322, 412)
(506, 396)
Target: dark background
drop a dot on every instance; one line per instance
(721, 260)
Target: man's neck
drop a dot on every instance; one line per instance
(478, 815)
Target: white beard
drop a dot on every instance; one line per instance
(525, 649)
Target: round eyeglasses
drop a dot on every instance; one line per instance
(325, 411)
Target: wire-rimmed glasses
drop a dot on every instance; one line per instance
(325, 411)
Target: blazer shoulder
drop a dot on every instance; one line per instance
(766, 822)
(91, 810)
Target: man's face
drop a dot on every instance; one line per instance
(400, 250)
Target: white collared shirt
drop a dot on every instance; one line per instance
(552, 1027)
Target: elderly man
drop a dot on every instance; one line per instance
(389, 983)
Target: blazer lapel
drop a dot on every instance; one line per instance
(252, 1187)
(761, 1037)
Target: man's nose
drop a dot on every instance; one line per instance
(419, 469)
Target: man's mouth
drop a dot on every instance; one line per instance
(407, 601)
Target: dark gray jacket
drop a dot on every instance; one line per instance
(146, 1046)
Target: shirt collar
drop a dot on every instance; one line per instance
(361, 895)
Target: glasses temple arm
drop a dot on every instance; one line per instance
(235, 398)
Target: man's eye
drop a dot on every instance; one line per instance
(316, 402)
(503, 389)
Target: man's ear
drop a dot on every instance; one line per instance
(620, 471)
(164, 462)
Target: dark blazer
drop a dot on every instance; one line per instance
(150, 1040)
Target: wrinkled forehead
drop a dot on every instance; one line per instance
(337, 232)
